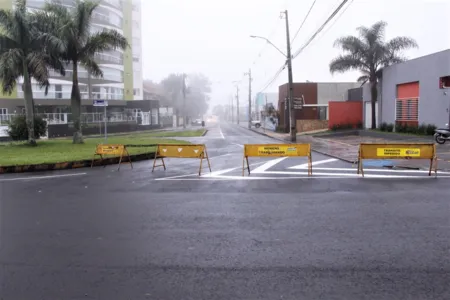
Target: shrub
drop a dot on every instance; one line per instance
(335, 127)
(359, 125)
(17, 128)
(430, 129)
(389, 127)
(383, 126)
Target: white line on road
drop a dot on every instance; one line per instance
(225, 178)
(377, 170)
(206, 175)
(267, 165)
(305, 166)
(42, 177)
(242, 146)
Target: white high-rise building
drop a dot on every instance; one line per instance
(122, 79)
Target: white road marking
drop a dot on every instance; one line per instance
(242, 146)
(267, 165)
(377, 170)
(314, 163)
(221, 133)
(42, 177)
(205, 175)
(225, 178)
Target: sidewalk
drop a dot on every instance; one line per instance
(346, 148)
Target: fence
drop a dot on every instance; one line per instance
(142, 118)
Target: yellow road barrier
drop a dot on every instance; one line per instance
(276, 150)
(103, 150)
(181, 151)
(398, 151)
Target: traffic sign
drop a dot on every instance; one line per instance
(298, 103)
(100, 103)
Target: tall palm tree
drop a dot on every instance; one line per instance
(72, 26)
(25, 52)
(369, 53)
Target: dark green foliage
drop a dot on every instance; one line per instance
(17, 128)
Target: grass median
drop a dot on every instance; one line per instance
(62, 150)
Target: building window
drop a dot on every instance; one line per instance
(136, 92)
(136, 59)
(407, 110)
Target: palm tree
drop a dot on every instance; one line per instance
(25, 52)
(369, 53)
(72, 27)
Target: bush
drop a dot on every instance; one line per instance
(335, 127)
(359, 125)
(383, 126)
(430, 129)
(17, 128)
(390, 127)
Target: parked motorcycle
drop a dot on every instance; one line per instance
(441, 135)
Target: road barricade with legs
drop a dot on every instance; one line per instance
(103, 150)
(181, 151)
(276, 150)
(398, 151)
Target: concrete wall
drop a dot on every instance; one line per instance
(433, 104)
(334, 91)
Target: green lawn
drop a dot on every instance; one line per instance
(62, 150)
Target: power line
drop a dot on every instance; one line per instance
(304, 20)
(271, 81)
(337, 19)
(320, 29)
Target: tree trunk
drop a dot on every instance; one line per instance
(373, 101)
(177, 120)
(75, 101)
(29, 105)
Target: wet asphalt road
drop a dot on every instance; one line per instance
(133, 234)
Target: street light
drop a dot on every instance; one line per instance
(269, 42)
(288, 56)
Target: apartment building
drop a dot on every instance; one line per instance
(122, 70)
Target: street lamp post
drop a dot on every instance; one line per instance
(288, 56)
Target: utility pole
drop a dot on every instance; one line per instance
(232, 110)
(293, 133)
(184, 100)
(237, 103)
(249, 98)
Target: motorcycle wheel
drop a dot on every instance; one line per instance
(439, 139)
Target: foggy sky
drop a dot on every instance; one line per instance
(212, 37)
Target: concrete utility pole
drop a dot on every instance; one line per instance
(293, 133)
(184, 100)
(237, 103)
(232, 110)
(249, 73)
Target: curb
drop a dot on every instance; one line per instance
(204, 133)
(75, 164)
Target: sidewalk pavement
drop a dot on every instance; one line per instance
(346, 148)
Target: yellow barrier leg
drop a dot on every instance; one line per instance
(248, 165)
(201, 162)
(243, 165)
(129, 158)
(361, 166)
(120, 161)
(154, 161)
(207, 159)
(310, 165)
